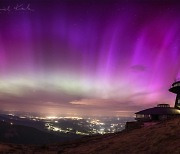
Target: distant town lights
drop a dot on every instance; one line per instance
(51, 117)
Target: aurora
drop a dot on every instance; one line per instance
(77, 57)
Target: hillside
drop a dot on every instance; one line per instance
(161, 138)
(10, 133)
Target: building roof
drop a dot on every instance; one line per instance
(175, 83)
(159, 111)
(175, 88)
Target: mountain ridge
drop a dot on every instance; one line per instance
(19, 134)
(160, 138)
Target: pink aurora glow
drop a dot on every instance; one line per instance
(89, 57)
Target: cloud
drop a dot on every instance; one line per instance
(108, 104)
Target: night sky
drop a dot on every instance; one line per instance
(88, 57)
